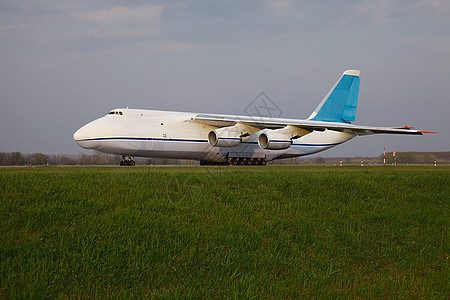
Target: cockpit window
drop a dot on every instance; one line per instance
(115, 113)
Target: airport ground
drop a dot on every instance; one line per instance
(225, 232)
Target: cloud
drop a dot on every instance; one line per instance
(124, 14)
(377, 11)
(282, 7)
(389, 10)
(440, 6)
(124, 22)
(434, 43)
(20, 29)
(150, 47)
(329, 14)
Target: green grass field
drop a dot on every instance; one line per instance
(234, 232)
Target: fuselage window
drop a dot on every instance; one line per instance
(120, 113)
(111, 113)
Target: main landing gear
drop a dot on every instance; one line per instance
(247, 161)
(127, 161)
(236, 161)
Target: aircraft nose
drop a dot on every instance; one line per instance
(84, 137)
(78, 135)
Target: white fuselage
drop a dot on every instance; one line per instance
(177, 135)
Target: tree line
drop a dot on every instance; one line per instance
(417, 157)
(98, 158)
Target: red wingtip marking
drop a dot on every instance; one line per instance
(407, 127)
(422, 131)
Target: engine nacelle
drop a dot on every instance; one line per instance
(224, 137)
(273, 140)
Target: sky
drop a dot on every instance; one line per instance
(65, 63)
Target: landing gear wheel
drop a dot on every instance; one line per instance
(247, 161)
(127, 161)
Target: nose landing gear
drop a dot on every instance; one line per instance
(127, 161)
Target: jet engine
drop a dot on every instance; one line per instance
(270, 139)
(224, 137)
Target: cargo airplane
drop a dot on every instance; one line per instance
(231, 139)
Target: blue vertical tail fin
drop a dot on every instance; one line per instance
(339, 105)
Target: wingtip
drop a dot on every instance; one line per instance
(423, 131)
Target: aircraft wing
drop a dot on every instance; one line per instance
(308, 125)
